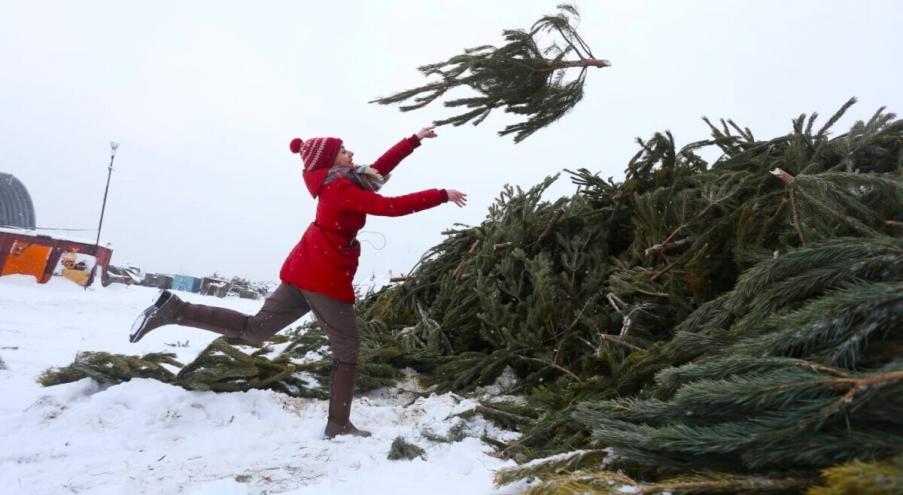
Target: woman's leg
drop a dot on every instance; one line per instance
(340, 324)
(285, 305)
(282, 308)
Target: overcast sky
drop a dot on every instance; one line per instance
(205, 96)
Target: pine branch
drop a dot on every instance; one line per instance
(556, 216)
(555, 366)
(570, 64)
(611, 483)
(666, 247)
(572, 461)
(520, 77)
(618, 340)
(877, 478)
(796, 217)
(473, 249)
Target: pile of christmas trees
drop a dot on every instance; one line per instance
(695, 328)
(740, 321)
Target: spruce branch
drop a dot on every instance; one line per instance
(796, 217)
(674, 263)
(612, 483)
(505, 419)
(562, 369)
(618, 340)
(401, 449)
(473, 249)
(665, 247)
(875, 478)
(521, 77)
(556, 216)
(823, 132)
(570, 64)
(572, 461)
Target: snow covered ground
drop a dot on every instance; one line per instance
(144, 436)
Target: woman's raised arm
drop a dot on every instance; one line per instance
(390, 159)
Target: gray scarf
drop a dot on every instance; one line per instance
(367, 178)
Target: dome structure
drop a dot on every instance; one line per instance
(16, 208)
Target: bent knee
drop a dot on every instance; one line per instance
(346, 353)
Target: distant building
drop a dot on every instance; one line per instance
(127, 274)
(186, 283)
(248, 294)
(213, 286)
(157, 280)
(16, 208)
(26, 252)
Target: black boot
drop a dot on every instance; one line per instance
(341, 391)
(170, 310)
(163, 312)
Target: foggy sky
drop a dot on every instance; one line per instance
(204, 98)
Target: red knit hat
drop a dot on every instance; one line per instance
(318, 155)
(317, 152)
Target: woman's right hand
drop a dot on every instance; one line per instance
(457, 197)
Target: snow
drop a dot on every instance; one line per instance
(148, 437)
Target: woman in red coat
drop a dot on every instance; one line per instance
(318, 273)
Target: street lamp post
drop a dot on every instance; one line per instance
(113, 146)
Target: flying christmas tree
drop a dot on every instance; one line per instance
(526, 76)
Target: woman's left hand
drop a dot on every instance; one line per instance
(426, 132)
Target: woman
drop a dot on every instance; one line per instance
(317, 275)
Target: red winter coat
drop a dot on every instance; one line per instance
(326, 258)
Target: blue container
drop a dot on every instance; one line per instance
(186, 283)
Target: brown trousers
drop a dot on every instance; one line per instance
(285, 305)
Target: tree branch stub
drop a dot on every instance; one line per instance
(785, 177)
(569, 64)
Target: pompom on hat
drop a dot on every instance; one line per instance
(318, 155)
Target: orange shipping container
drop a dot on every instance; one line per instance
(26, 258)
(28, 253)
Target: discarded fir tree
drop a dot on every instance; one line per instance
(525, 76)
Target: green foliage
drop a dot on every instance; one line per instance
(505, 414)
(228, 365)
(402, 449)
(865, 331)
(770, 309)
(521, 290)
(788, 417)
(613, 483)
(113, 368)
(455, 434)
(570, 462)
(521, 76)
(857, 477)
(807, 373)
